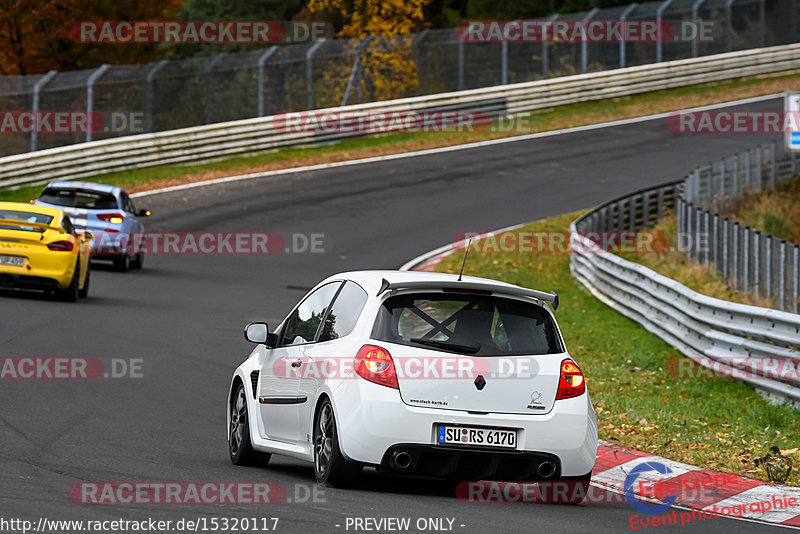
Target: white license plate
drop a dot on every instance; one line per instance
(482, 437)
(16, 261)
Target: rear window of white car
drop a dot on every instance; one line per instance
(481, 325)
(77, 198)
(24, 216)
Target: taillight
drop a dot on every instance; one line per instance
(375, 364)
(64, 246)
(115, 218)
(571, 384)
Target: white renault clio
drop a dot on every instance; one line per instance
(415, 373)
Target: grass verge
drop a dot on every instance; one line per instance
(557, 118)
(775, 211)
(713, 423)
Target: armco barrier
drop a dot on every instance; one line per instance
(250, 136)
(733, 338)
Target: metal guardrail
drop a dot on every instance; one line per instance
(743, 341)
(260, 80)
(250, 136)
(755, 262)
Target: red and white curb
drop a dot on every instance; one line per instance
(738, 497)
(696, 489)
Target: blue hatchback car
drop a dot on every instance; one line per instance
(105, 210)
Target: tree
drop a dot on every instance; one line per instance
(34, 33)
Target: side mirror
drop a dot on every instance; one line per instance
(88, 236)
(143, 213)
(259, 333)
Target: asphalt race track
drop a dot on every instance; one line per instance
(183, 315)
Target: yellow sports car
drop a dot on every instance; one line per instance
(40, 249)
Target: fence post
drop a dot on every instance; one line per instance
(715, 234)
(354, 78)
(309, 74)
(725, 230)
(460, 65)
(415, 53)
(207, 75)
(148, 119)
(37, 89)
(585, 41)
(545, 52)
(262, 60)
(747, 171)
(622, 18)
(729, 22)
(762, 31)
(773, 165)
(503, 62)
(90, 97)
(659, 15)
(695, 21)
(735, 257)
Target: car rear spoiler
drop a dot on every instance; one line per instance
(14, 222)
(551, 297)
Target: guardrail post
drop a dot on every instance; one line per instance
(745, 259)
(715, 239)
(37, 89)
(545, 52)
(622, 18)
(90, 98)
(585, 40)
(262, 60)
(708, 239)
(782, 276)
(725, 230)
(659, 15)
(207, 76)
(796, 276)
(148, 119)
(696, 22)
(735, 256)
(310, 73)
(768, 267)
(756, 263)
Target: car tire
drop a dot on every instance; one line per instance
(572, 490)
(330, 466)
(122, 263)
(84, 292)
(138, 261)
(70, 293)
(240, 448)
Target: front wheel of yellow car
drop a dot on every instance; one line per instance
(70, 293)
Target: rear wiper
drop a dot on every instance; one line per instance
(447, 345)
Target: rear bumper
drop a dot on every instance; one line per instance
(454, 462)
(373, 421)
(19, 281)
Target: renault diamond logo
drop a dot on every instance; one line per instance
(480, 382)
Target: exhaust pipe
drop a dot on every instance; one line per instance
(400, 460)
(546, 469)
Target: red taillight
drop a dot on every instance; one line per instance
(571, 383)
(64, 246)
(375, 364)
(115, 218)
